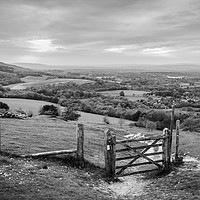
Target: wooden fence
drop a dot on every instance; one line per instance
(114, 154)
(79, 151)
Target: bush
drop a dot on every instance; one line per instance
(191, 124)
(49, 110)
(4, 106)
(121, 94)
(70, 114)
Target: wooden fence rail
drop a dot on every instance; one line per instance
(79, 151)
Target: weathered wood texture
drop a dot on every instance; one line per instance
(139, 155)
(110, 153)
(166, 149)
(177, 140)
(171, 126)
(50, 153)
(138, 140)
(79, 151)
(80, 144)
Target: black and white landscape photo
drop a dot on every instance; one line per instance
(99, 99)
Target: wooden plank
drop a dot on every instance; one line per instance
(131, 157)
(138, 140)
(132, 161)
(136, 148)
(50, 153)
(143, 156)
(137, 172)
(139, 164)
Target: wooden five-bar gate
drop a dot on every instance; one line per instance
(117, 152)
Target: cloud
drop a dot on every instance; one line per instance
(145, 49)
(43, 45)
(159, 51)
(156, 28)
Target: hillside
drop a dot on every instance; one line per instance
(11, 68)
(58, 178)
(35, 66)
(12, 74)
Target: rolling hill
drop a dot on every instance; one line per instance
(11, 68)
(177, 67)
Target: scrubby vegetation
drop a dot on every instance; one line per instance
(49, 110)
(162, 90)
(67, 114)
(191, 124)
(4, 106)
(16, 113)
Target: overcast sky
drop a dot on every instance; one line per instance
(86, 32)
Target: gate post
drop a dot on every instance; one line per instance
(80, 144)
(177, 140)
(110, 154)
(166, 149)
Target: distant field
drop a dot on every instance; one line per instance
(98, 119)
(128, 94)
(25, 104)
(34, 106)
(40, 81)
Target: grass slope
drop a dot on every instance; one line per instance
(128, 94)
(40, 81)
(46, 179)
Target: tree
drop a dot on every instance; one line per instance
(49, 110)
(4, 106)
(121, 94)
(70, 114)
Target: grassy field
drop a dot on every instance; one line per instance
(25, 104)
(34, 106)
(42, 133)
(128, 94)
(40, 81)
(44, 179)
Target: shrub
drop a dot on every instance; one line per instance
(49, 110)
(191, 124)
(141, 122)
(70, 114)
(4, 106)
(121, 94)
